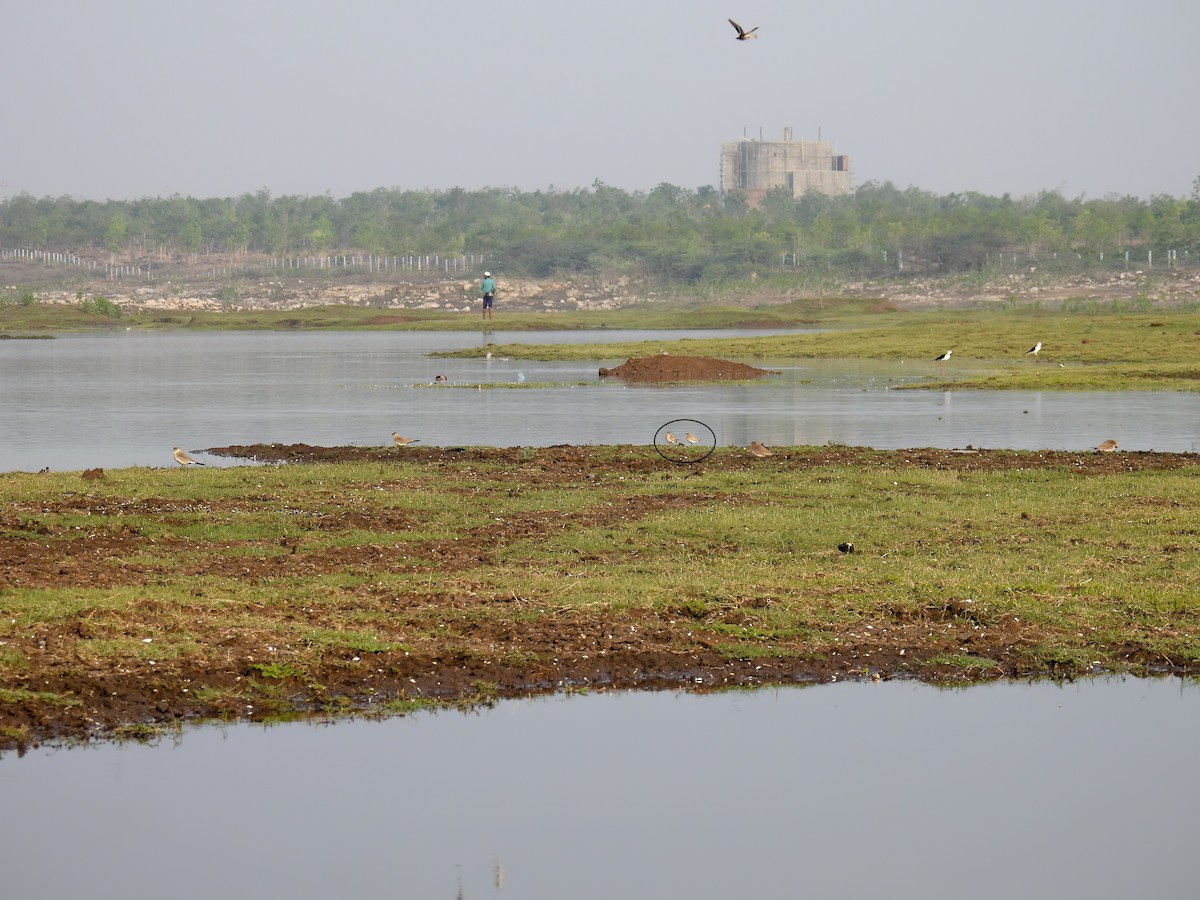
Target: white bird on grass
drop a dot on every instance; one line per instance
(941, 360)
(183, 459)
(1034, 350)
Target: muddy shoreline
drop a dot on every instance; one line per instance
(561, 649)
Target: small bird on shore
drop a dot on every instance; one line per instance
(670, 438)
(760, 451)
(183, 459)
(941, 361)
(691, 438)
(742, 33)
(401, 441)
(1107, 447)
(1034, 350)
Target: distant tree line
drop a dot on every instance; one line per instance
(669, 234)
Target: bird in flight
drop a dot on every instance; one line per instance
(183, 459)
(743, 34)
(759, 450)
(401, 441)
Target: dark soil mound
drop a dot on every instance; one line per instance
(667, 368)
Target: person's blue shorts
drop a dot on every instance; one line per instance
(487, 300)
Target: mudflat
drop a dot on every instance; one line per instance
(351, 580)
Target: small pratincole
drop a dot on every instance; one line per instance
(759, 450)
(183, 459)
(670, 438)
(742, 33)
(1107, 447)
(401, 441)
(691, 438)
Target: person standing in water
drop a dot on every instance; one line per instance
(489, 294)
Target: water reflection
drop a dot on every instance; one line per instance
(854, 790)
(124, 400)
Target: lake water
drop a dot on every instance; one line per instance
(126, 399)
(834, 791)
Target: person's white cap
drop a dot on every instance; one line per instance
(487, 274)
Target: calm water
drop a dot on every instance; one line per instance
(836, 791)
(127, 399)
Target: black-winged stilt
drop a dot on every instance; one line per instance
(941, 361)
(1034, 350)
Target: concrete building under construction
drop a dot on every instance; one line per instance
(755, 167)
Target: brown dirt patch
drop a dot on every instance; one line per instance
(532, 647)
(668, 369)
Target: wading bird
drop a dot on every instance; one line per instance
(1034, 350)
(1107, 447)
(183, 459)
(743, 34)
(401, 441)
(759, 450)
(691, 438)
(941, 361)
(670, 438)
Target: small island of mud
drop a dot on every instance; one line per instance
(664, 369)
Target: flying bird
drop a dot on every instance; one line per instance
(942, 360)
(401, 441)
(1034, 350)
(1107, 447)
(183, 459)
(759, 450)
(743, 34)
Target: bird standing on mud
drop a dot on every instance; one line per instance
(401, 441)
(1107, 446)
(743, 34)
(183, 459)
(760, 451)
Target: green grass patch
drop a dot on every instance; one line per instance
(1104, 348)
(20, 695)
(1014, 562)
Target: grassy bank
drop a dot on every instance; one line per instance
(1085, 347)
(405, 578)
(19, 319)
(1110, 350)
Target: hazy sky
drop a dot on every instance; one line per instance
(148, 98)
